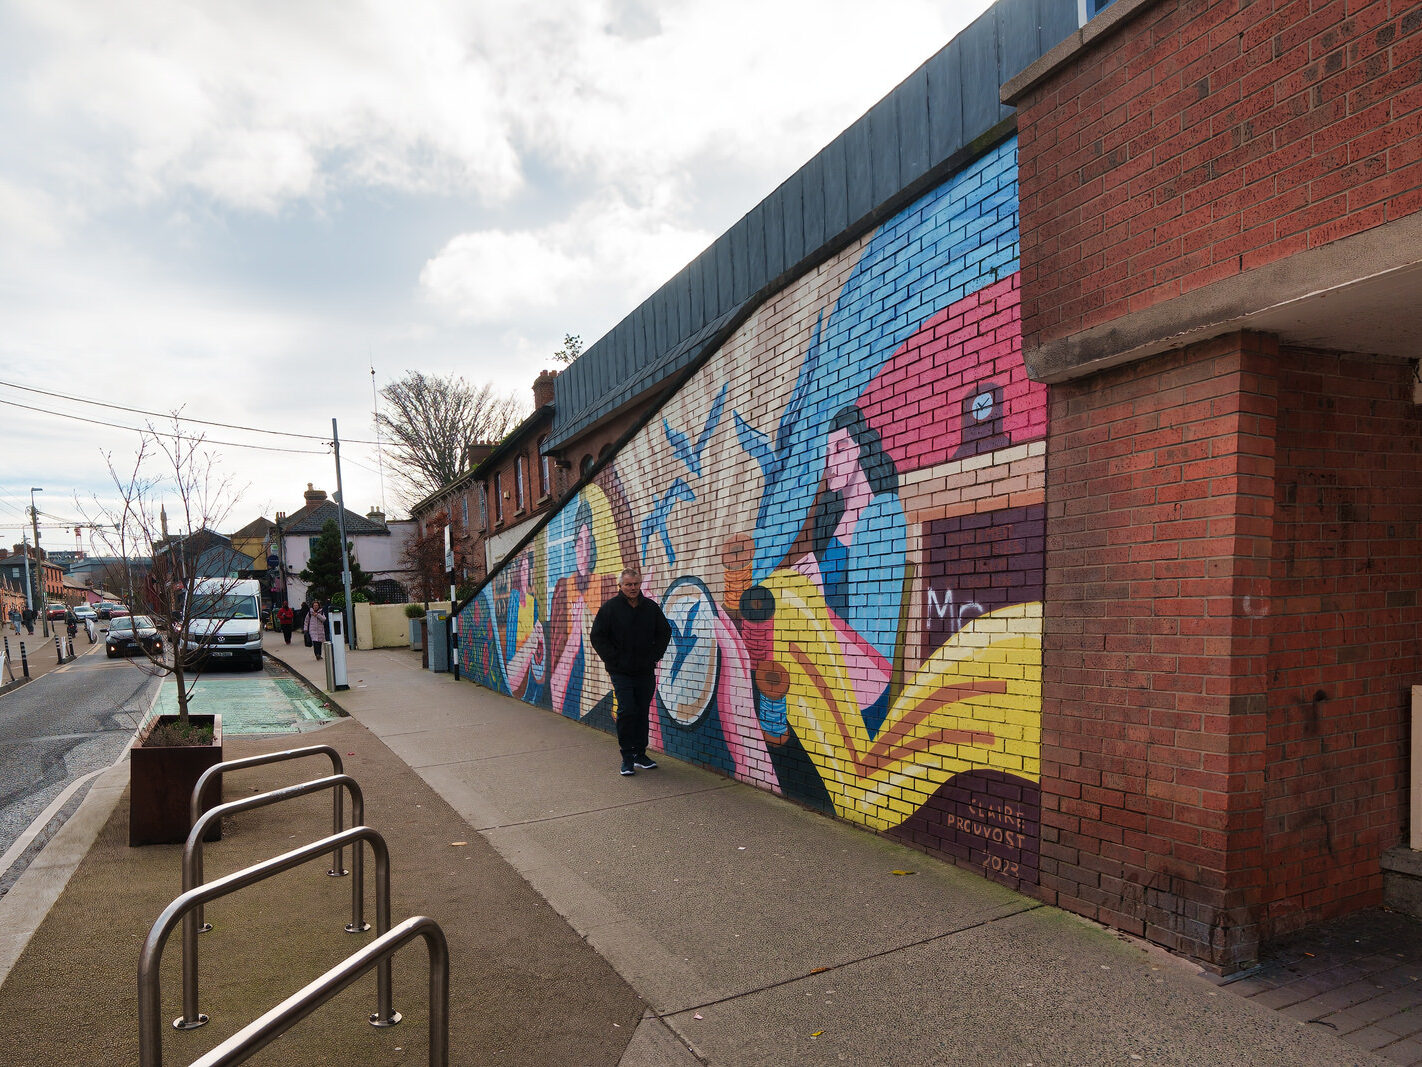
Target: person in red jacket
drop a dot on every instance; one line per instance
(286, 619)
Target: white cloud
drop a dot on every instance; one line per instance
(605, 249)
(255, 105)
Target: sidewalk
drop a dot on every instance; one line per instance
(39, 652)
(751, 931)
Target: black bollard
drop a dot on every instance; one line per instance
(24, 660)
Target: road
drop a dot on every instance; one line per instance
(58, 728)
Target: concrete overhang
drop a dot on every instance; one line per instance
(1359, 294)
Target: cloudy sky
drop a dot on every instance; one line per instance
(236, 210)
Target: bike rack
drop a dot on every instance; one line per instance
(150, 1031)
(195, 805)
(257, 1035)
(193, 876)
(275, 795)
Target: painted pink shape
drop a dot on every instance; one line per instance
(916, 399)
(735, 703)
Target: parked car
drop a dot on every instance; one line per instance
(118, 611)
(56, 611)
(133, 634)
(84, 613)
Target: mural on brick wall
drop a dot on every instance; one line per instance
(842, 516)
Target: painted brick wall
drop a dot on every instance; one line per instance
(1207, 138)
(1345, 632)
(842, 516)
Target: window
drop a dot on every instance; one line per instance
(519, 481)
(545, 478)
(483, 491)
(586, 464)
(464, 509)
(499, 497)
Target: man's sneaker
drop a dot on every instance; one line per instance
(627, 767)
(644, 763)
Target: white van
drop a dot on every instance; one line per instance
(225, 621)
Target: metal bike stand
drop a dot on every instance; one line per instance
(259, 1034)
(150, 1030)
(195, 805)
(275, 796)
(191, 1018)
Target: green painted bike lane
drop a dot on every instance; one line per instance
(252, 704)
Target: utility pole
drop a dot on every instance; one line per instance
(341, 526)
(39, 573)
(29, 591)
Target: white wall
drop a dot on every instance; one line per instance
(498, 546)
(379, 556)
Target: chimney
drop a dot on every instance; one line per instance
(477, 453)
(4, 552)
(314, 496)
(543, 388)
(376, 515)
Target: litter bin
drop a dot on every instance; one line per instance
(437, 640)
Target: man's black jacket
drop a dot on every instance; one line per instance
(630, 639)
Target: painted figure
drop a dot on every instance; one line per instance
(575, 601)
(856, 557)
(523, 641)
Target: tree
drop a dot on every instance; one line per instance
(432, 421)
(172, 469)
(323, 570)
(423, 557)
(571, 350)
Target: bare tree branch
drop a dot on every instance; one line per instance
(431, 422)
(171, 468)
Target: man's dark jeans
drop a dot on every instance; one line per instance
(634, 701)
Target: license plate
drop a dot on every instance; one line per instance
(221, 652)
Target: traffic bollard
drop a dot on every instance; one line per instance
(24, 660)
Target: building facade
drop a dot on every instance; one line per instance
(377, 547)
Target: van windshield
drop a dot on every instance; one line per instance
(229, 606)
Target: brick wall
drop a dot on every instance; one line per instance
(1206, 138)
(1158, 513)
(1345, 632)
(1232, 570)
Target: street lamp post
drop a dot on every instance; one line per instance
(43, 605)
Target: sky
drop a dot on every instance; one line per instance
(237, 212)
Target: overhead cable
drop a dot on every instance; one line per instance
(172, 415)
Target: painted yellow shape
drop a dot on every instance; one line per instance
(974, 704)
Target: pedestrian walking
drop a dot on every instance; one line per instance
(630, 634)
(286, 619)
(28, 616)
(316, 626)
(15, 619)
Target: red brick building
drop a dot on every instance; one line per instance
(1221, 254)
(507, 486)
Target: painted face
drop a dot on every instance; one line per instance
(841, 461)
(582, 547)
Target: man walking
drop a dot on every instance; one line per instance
(630, 634)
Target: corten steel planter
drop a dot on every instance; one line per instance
(160, 785)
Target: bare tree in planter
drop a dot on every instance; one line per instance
(172, 473)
